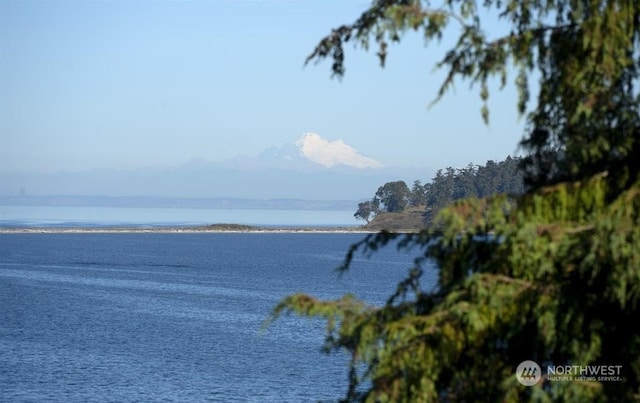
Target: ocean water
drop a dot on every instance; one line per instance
(49, 216)
(175, 317)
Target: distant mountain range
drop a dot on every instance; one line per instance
(310, 153)
(310, 168)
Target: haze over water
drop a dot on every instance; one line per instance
(47, 216)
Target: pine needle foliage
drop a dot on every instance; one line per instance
(552, 275)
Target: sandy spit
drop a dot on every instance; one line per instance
(179, 230)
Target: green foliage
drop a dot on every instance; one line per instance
(493, 178)
(446, 187)
(394, 196)
(418, 195)
(544, 287)
(552, 275)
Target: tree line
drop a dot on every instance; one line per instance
(449, 185)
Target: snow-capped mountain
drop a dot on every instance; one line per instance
(332, 153)
(310, 152)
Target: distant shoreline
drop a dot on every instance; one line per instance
(215, 228)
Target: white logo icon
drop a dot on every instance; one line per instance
(528, 373)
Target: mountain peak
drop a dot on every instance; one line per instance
(332, 153)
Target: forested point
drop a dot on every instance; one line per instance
(396, 207)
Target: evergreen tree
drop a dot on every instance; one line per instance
(418, 194)
(465, 183)
(558, 279)
(441, 190)
(490, 177)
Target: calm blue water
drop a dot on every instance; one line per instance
(174, 317)
(48, 216)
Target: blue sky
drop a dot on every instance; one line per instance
(129, 84)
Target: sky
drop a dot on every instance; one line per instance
(133, 84)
